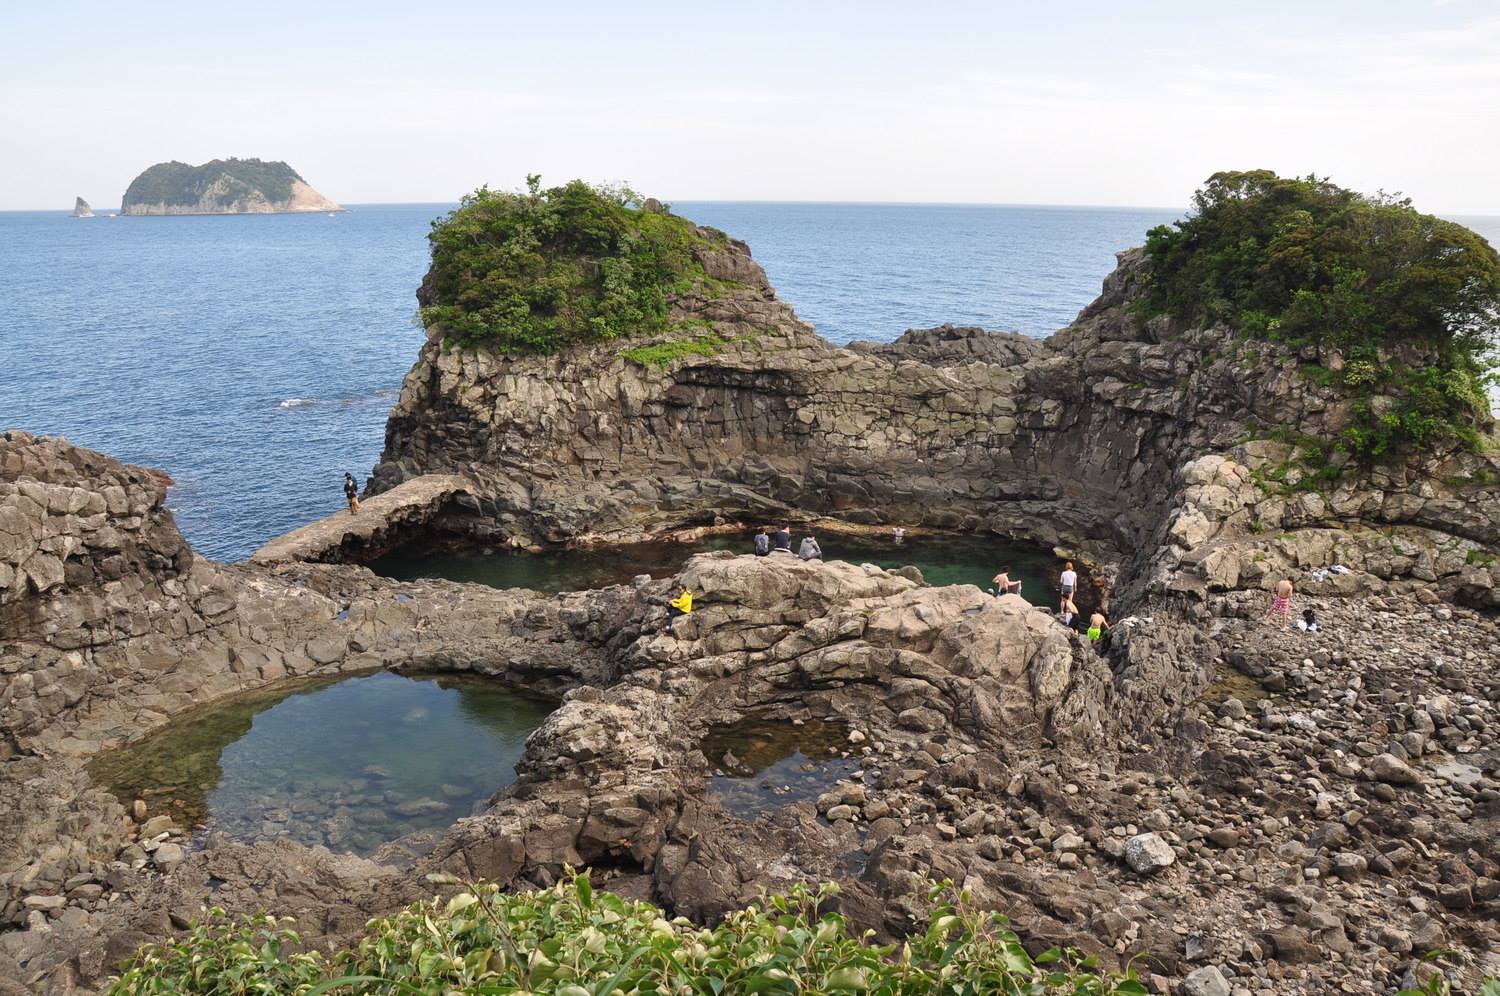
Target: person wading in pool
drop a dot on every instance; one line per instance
(351, 491)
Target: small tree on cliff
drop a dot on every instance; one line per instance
(540, 270)
(1408, 303)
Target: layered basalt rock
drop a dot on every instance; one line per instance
(1091, 440)
(967, 715)
(129, 628)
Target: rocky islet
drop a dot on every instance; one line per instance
(1321, 831)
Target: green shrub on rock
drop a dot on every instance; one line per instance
(1401, 308)
(573, 941)
(537, 271)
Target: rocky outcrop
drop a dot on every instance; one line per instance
(1146, 445)
(81, 209)
(380, 523)
(1260, 831)
(222, 186)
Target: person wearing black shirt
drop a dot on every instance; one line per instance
(351, 491)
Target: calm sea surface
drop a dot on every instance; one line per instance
(255, 357)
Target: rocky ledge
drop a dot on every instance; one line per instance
(1283, 811)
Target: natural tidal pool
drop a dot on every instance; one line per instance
(942, 559)
(761, 763)
(351, 762)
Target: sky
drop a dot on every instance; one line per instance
(1097, 103)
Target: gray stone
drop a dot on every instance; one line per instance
(1148, 854)
(1205, 981)
(1392, 770)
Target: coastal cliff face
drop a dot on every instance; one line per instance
(1147, 445)
(223, 186)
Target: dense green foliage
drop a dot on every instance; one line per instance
(1404, 308)
(573, 941)
(179, 184)
(545, 269)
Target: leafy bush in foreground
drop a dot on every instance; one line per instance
(572, 941)
(544, 269)
(1409, 302)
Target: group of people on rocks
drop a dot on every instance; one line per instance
(1067, 609)
(779, 540)
(769, 541)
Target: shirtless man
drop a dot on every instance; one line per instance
(1004, 585)
(1281, 602)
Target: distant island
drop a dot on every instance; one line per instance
(223, 186)
(81, 209)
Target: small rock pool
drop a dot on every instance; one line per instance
(761, 763)
(943, 559)
(353, 763)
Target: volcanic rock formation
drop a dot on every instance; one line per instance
(1267, 829)
(1294, 811)
(1147, 445)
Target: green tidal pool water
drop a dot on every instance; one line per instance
(761, 763)
(942, 559)
(352, 763)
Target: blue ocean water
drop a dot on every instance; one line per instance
(254, 358)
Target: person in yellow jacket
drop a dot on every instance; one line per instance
(679, 606)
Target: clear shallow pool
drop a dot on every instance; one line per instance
(352, 763)
(942, 559)
(761, 763)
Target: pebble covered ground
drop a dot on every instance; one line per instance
(1323, 820)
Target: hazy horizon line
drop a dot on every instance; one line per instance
(735, 200)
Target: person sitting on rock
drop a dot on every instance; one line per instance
(784, 539)
(1281, 602)
(680, 606)
(1004, 585)
(1097, 625)
(809, 550)
(351, 491)
(762, 544)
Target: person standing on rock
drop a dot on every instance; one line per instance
(762, 543)
(1069, 579)
(351, 491)
(898, 534)
(1097, 625)
(1281, 602)
(784, 539)
(809, 550)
